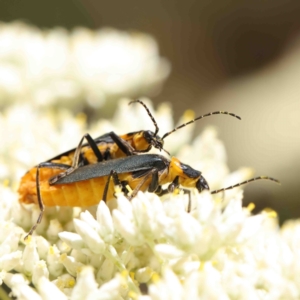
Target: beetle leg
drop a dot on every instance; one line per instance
(153, 184)
(185, 191)
(77, 157)
(94, 147)
(173, 186)
(49, 165)
(106, 187)
(117, 183)
(162, 192)
(122, 144)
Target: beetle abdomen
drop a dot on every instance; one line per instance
(83, 193)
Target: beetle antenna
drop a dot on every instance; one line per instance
(149, 114)
(166, 152)
(245, 182)
(201, 117)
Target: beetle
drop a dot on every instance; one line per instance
(102, 148)
(87, 185)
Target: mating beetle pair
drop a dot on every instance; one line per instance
(81, 176)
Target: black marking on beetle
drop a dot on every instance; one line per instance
(189, 171)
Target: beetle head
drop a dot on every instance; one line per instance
(202, 184)
(153, 140)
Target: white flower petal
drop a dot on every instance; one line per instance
(126, 228)
(144, 274)
(49, 291)
(167, 288)
(125, 207)
(40, 270)
(55, 266)
(90, 236)
(25, 292)
(110, 290)
(10, 261)
(30, 257)
(42, 246)
(106, 270)
(20, 288)
(168, 251)
(86, 284)
(54, 228)
(89, 219)
(73, 239)
(106, 229)
(72, 266)
(65, 282)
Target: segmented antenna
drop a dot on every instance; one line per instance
(182, 125)
(149, 114)
(245, 182)
(201, 117)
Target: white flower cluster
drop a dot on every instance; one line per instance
(214, 252)
(48, 67)
(151, 247)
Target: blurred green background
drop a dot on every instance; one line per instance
(240, 56)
